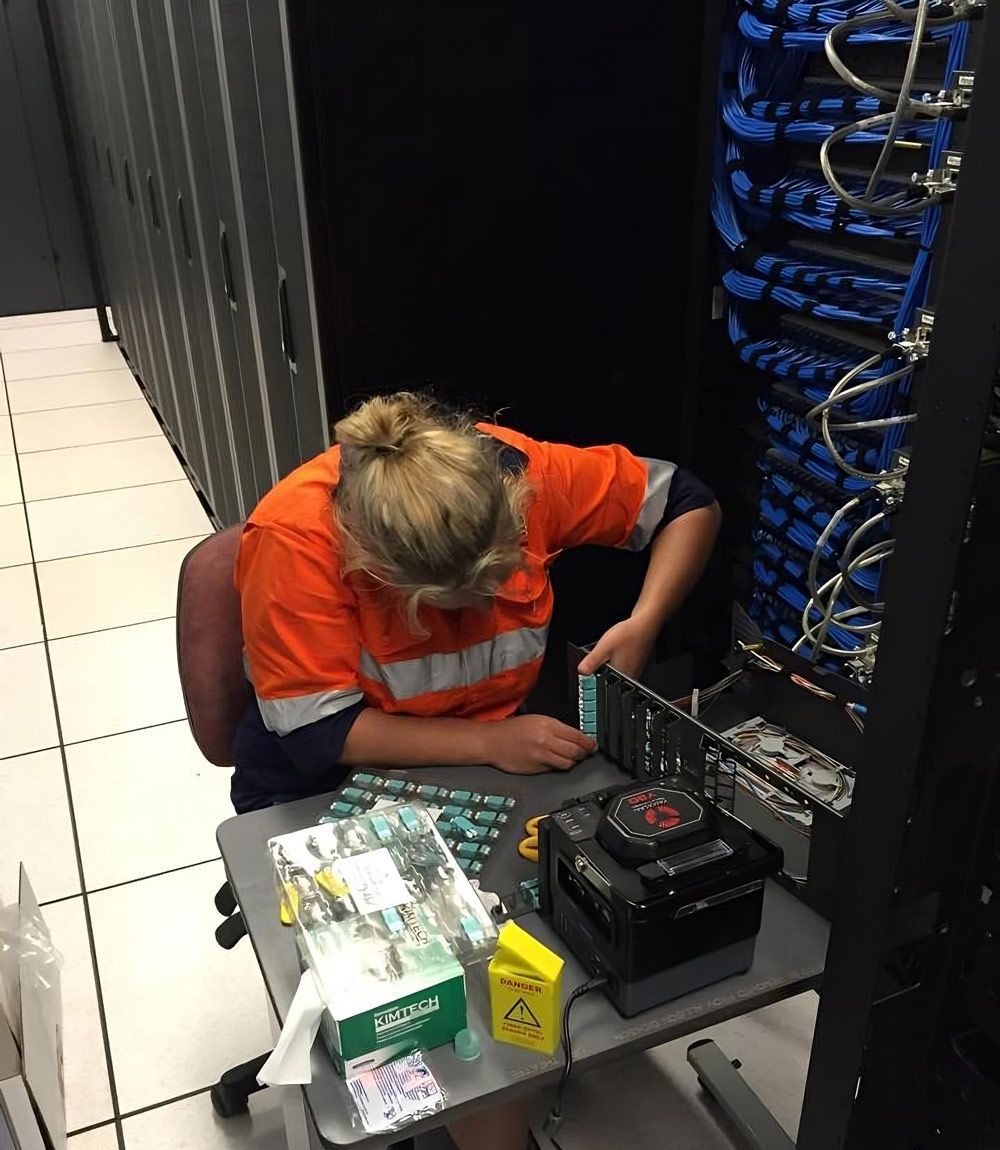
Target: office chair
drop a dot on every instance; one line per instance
(216, 693)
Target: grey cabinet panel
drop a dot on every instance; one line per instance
(241, 120)
(154, 225)
(95, 164)
(197, 314)
(230, 246)
(273, 74)
(28, 277)
(136, 265)
(213, 224)
(186, 130)
(48, 148)
(108, 195)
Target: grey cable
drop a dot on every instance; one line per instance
(840, 33)
(817, 634)
(838, 392)
(904, 104)
(816, 601)
(889, 206)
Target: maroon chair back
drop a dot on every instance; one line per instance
(210, 645)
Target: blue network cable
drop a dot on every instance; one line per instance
(844, 306)
(811, 506)
(789, 268)
(811, 37)
(805, 199)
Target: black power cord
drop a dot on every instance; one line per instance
(554, 1120)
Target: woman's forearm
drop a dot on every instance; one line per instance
(677, 558)
(380, 740)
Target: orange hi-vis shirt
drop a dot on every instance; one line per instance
(317, 642)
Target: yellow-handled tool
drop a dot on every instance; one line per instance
(527, 848)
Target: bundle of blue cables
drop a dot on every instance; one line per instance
(806, 313)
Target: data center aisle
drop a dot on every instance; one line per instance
(107, 800)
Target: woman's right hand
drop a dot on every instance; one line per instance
(533, 744)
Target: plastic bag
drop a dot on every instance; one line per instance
(31, 999)
(392, 1096)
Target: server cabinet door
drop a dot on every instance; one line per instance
(241, 123)
(156, 224)
(55, 185)
(181, 205)
(296, 301)
(157, 369)
(214, 226)
(206, 387)
(85, 133)
(116, 223)
(231, 247)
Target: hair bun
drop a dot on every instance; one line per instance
(384, 425)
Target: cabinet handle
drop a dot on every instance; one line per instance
(227, 264)
(111, 167)
(154, 211)
(182, 220)
(129, 190)
(287, 342)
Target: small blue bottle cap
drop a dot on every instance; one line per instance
(467, 1046)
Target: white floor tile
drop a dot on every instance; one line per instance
(75, 426)
(20, 622)
(50, 335)
(76, 390)
(38, 318)
(88, 1095)
(111, 589)
(773, 1045)
(10, 481)
(129, 517)
(103, 1138)
(192, 1125)
(123, 835)
(98, 467)
(27, 717)
(35, 827)
(14, 546)
(61, 361)
(116, 681)
(180, 1010)
(6, 436)
(3, 400)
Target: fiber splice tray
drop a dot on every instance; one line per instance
(655, 888)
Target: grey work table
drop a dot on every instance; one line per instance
(791, 949)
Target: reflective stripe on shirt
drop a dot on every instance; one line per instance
(408, 678)
(659, 475)
(286, 715)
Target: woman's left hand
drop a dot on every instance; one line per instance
(627, 646)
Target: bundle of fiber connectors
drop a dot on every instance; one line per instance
(833, 169)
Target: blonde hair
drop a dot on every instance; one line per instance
(423, 503)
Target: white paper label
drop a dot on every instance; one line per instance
(374, 881)
(395, 1094)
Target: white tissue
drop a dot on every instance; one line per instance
(289, 1064)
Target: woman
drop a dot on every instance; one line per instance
(395, 601)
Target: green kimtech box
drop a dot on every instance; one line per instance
(359, 1039)
(386, 921)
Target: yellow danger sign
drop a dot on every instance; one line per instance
(525, 991)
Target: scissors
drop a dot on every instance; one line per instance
(527, 848)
